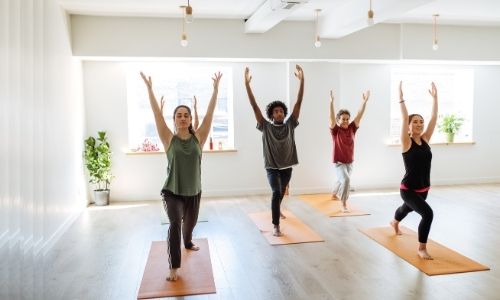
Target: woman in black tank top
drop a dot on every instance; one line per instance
(417, 158)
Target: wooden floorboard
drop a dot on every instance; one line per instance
(102, 255)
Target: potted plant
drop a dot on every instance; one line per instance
(97, 156)
(450, 124)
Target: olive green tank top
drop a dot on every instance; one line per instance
(184, 166)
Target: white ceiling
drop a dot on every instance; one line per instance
(349, 14)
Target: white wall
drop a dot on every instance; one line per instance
(140, 177)
(42, 184)
(159, 37)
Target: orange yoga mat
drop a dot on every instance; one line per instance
(294, 231)
(446, 261)
(331, 208)
(195, 274)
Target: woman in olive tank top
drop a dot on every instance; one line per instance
(417, 158)
(182, 189)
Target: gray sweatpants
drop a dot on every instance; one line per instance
(343, 184)
(179, 209)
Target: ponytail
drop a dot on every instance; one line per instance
(191, 130)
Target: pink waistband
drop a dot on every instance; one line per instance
(422, 190)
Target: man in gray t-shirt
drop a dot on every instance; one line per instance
(278, 141)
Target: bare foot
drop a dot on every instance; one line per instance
(282, 215)
(395, 225)
(173, 275)
(193, 247)
(334, 197)
(424, 254)
(345, 210)
(277, 231)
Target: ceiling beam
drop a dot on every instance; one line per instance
(352, 15)
(270, 13)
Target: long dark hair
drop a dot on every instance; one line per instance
(270, 107)
(190, 128)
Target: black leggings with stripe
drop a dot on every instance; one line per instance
(182, 213)
(415, 201)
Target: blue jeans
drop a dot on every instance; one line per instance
(278, 180)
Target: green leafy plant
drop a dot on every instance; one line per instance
(97, 156)
(450, 124)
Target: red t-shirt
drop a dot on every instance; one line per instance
(343, 143)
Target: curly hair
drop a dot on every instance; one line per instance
(270, 107)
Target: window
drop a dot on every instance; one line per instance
(178, 83)
(455, 87)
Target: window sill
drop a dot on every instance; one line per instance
(130, 152)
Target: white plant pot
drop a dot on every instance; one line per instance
(101, 197)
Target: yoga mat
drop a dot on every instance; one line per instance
(331, 208)
(446, 261)
(294, 231)
(195, 274)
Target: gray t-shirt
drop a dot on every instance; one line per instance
(278, 142)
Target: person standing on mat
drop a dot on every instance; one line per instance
(343, 133)
(182, 189)
(417, 158)
(278, 142)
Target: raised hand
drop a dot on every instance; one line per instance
(433, 91)
(147, 80)
(216, 79)
(248, 78)
(162, 103)
(366, 95)
(195, 102)
(299, 73)
(331, 96)
(401, 91)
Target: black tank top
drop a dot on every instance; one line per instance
(418, 166)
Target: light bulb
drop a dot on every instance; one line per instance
(189, 14)
(317, 43)
(184, 41)
(370, 20)
(435, 46)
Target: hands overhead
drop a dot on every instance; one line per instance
(366, 95)
(331, 96)
(248, 78)
(216, 79)
(162, 103)
(433, 91)
(299, 73)
(147, 80)
(401, 91)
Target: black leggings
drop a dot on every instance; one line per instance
(415, 201)
(182, 213)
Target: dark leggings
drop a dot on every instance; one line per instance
(182, 213)
(416, 202)
(278, 180)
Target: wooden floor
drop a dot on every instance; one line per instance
(102, 256)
